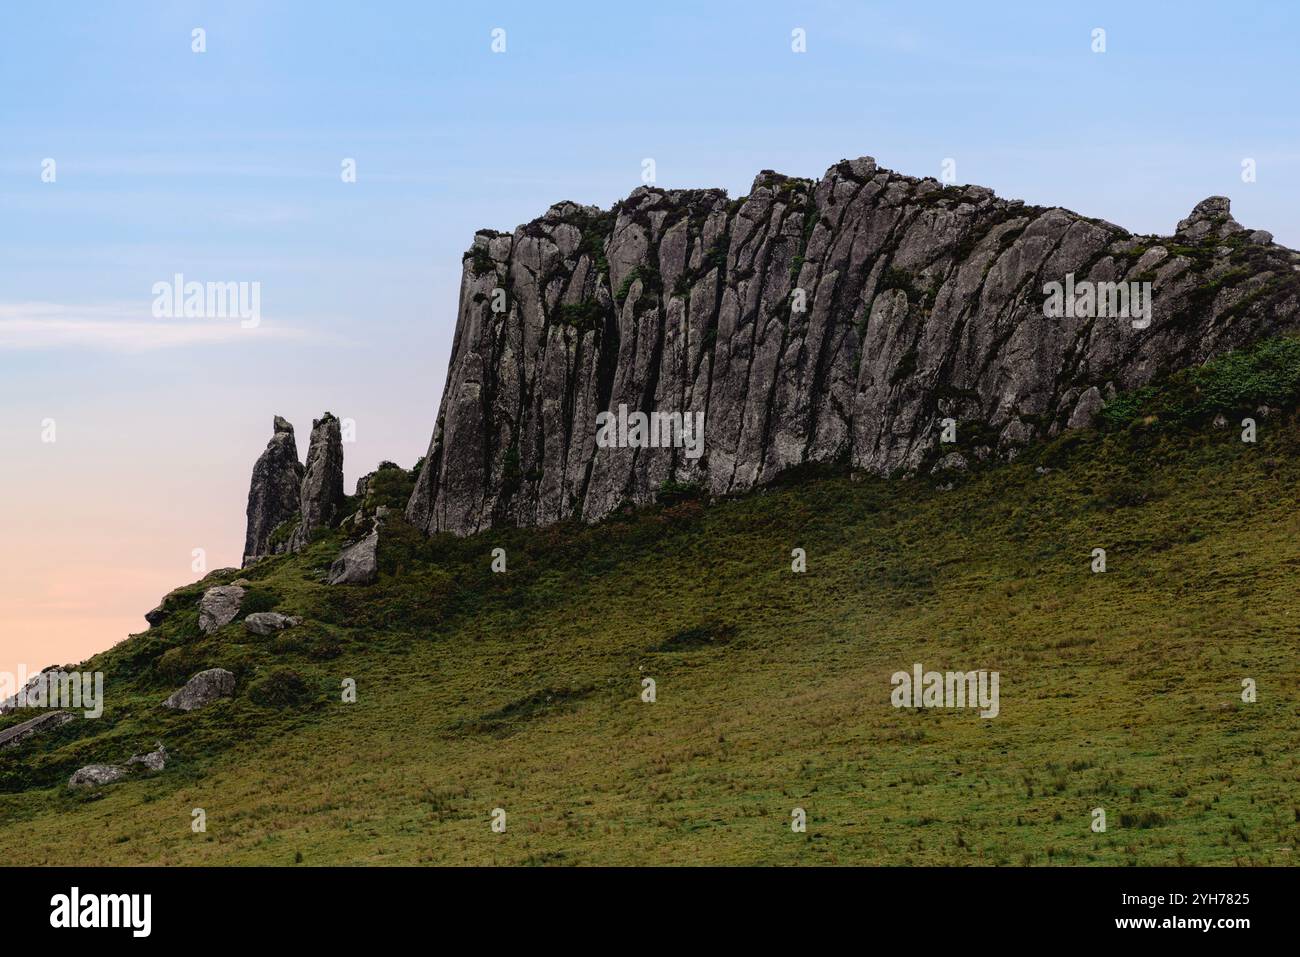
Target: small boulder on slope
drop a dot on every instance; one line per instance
(266, 622)
(204, 688)
(94, 775)
(154, 760)
(358, 564)
(219, 606)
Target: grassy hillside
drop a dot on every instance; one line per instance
(522, 690)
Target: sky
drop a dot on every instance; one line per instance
(127, 440)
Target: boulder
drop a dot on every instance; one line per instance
(155, 617)
(275, 491)
(204, 688)
(322, 484)
(95, 775)
(952, 462)
(1086, 409)
(266, 622)
(154, 760)
(358, 564)
(219, 606)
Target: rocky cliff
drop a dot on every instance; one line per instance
(841, 320)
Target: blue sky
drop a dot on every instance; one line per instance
(225, 166)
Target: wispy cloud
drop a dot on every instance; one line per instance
(120, 328)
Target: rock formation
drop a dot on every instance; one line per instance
(204, 688)
(832, 321)
(274, 494)
(287, 501)
(322, 484)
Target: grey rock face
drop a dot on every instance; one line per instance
(155, 760)
(266, 622)
(95, 775)
(920, 302)
(219, 606)
(358, 564)
(204, 688)
(322, 483)
(43, 722)
(275, 492)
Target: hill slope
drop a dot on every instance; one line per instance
(522, 690)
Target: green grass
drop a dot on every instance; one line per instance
(523, 690)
